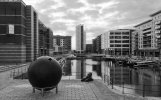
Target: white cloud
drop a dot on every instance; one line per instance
(62, 20)
(80, 10)
(109, 15)
(87, 6)
(106, 5)
(85, 2)
(70, 27)
(57, 14)
(59, 3)
(99, 22)
(60, 32)
(33, 2)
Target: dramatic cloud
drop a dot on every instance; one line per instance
(98, 16)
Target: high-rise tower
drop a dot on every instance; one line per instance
(80, 39)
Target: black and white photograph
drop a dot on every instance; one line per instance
(80, 49)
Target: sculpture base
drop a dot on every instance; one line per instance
(45, 89)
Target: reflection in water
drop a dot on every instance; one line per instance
(109, 71)
(139, 79)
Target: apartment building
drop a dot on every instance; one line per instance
(61, 44)
(149, 38)
(117, 42)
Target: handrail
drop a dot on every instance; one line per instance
(123, 86)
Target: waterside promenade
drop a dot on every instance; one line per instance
(67, 90)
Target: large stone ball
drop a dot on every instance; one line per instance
(44, 72)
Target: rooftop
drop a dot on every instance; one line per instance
(155, 13)
(143, 23)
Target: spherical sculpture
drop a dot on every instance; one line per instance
(45, 72)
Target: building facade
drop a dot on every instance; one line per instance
(61, 44)
(89, 48)
(45, 40)
(149, 36)
(12, 31)
(117, 42)
(80, 39)
(94, 45)
(97, 45)
(32, 34)
(19, 32)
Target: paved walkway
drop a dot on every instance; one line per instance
(67, 90)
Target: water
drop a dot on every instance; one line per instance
(134, 81)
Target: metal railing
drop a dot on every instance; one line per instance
(142, 90)
(11, 67)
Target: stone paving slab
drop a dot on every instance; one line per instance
(67, 90)
(107, 93)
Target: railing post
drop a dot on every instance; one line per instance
(112, 83)
(123, 88)
(143, 90)
(104, 78)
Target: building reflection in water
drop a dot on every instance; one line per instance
(78, 69)
(108, 71)
(132, 78)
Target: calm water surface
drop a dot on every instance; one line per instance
(134, 81)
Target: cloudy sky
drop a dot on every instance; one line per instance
(98, 16)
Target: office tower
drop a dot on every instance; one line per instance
(80, 39)
(117, 42)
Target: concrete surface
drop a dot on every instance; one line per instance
(67, 90)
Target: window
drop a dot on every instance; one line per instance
(111, 37)
(125, 45)
(117, 45)
(111, 41)
(125, 41)
(111, 33)
(125, 33)
(117, 37)
(117, 41)
(111, 45)
(118, 33)
(125, 37)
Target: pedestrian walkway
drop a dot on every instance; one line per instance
(67, 90)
